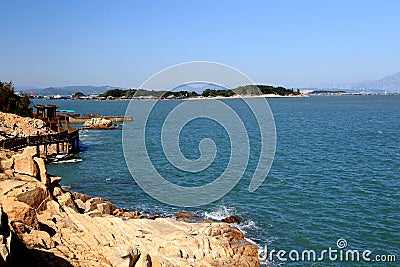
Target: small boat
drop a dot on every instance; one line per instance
(61, 158)
(66, 111)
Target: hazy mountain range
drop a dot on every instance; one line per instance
(389, 84)
(69, 90)
(198, 87)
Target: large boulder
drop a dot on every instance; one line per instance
(44, 177)
(35, 198)
(24, 164)
(66, 200)
(100, 204)
(21, 216)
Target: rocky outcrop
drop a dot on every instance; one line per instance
(98, 123)
(231, 219)
(55, 227)
(15, 125)
(5, 238)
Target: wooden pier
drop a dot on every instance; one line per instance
(66, 142)
(65, 138)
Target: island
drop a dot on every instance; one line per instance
(241, 91)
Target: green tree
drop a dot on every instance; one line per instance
(214, 93)
(10, 102)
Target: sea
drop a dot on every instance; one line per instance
(333, 187)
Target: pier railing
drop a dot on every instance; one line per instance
(35, 140)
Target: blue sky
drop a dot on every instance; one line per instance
(122, 43)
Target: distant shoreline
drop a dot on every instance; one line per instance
(214, 98)
(243, 96)
(187, 98)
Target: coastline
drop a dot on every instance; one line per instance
(73, 229)
(243, 96)
(45, 224)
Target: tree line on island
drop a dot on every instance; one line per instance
(252, 90)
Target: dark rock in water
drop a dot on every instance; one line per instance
(150, 217)
(231, 219)
(186, 217)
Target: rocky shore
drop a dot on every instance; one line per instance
(13, 125)
(44, 225)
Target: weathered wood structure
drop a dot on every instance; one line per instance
(66, 138)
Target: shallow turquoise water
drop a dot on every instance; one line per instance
(335, 174)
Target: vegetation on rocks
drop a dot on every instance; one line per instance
(10, 102)
(265, 90)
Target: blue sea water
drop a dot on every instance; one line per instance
(335, 174)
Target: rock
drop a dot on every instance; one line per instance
(21, 216)
(35, 198)
(54, 180)
(101, 204)
(144, 261)
(57, 191)
(80, 196)
(231, 219)
(106, 208)
(4, 252)
(37, 239)
(30, 150)
(8, 185)
(98, 123)
(91, 203)
(126, 214)
(66, 200)
(7, 164)
(187, 217)
(125, 256)
(53, 231)
(44, 177)
(80, 204)
(150, 217)
(5, 238)
(94, 213)
(24, 164)
(9, 173)
(22, 126)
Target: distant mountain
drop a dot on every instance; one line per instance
(389, 84)
(70, 90)
(198, 87)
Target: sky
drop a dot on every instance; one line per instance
(122, 43)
